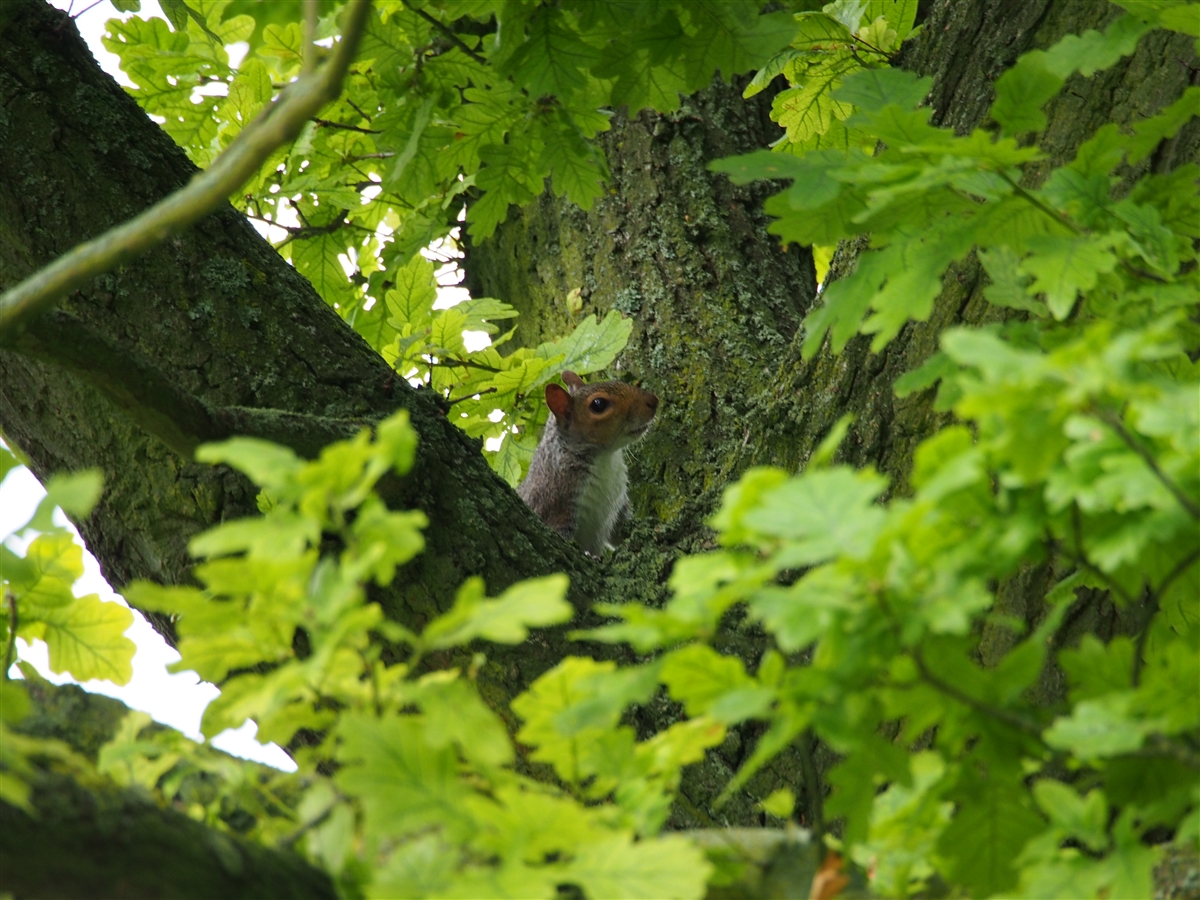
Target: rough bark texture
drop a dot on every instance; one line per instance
(213, 333)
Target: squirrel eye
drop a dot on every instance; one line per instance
(598, 404)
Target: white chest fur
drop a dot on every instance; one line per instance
(600, 502)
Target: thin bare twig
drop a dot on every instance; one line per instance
(448, 33)
(326, 123)
(279, 123)
(490, 390)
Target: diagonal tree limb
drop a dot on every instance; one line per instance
(275, 126)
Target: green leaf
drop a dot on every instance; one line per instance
(1101, 727)
(670, 866)
(75, 493)
(648, 67)
(1039, 74)
(402, 782)
(455, 715)
(822, 514)
(8, 462)
(44, 577)
(697, 676)
(810, 110)
(1010, 286)
(533, 603)
(578, 169)
(802, 613)
(1095, 669)
(1020, 93)
(873, 89)
(553, 59)
(780, 803)
(731, 36)
(1084, 818)
(568, 683)
(934, 369)
(266, 464)
(87, 639)
(994, 821)
(818, 31)
(592, 346)
(507, 178)
(1064, 266)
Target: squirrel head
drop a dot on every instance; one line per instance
(607, 415)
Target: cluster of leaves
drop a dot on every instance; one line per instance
(1078, 458)
(490, 395)
(424, 800)
(845, 37)
(84, 635)
(450, 100)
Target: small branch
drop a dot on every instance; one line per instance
(1140, 647)
(1080, 559)
(447, 33)
(1048, 210)
(814, 794)
(490, 390)
(326, 123)
(288, 841)
(1136, 446)
(279, 123)
(10, 649)
(1008, 717)
(354, 106)
(310, 34)
(451, 363)
(386, 154)
(1160, 746)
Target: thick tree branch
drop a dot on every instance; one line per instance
(275, 126)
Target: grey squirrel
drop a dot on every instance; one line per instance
(577, 481)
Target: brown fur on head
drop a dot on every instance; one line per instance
(608, 414)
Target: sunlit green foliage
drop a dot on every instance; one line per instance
(424, 801)
(84, 635)
(490, 394)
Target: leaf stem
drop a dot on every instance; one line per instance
(10, 648)
(1048, 210)
(490, 390)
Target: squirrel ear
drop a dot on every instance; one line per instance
(558, 400)
(572, 379)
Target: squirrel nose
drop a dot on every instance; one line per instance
(652, 402)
